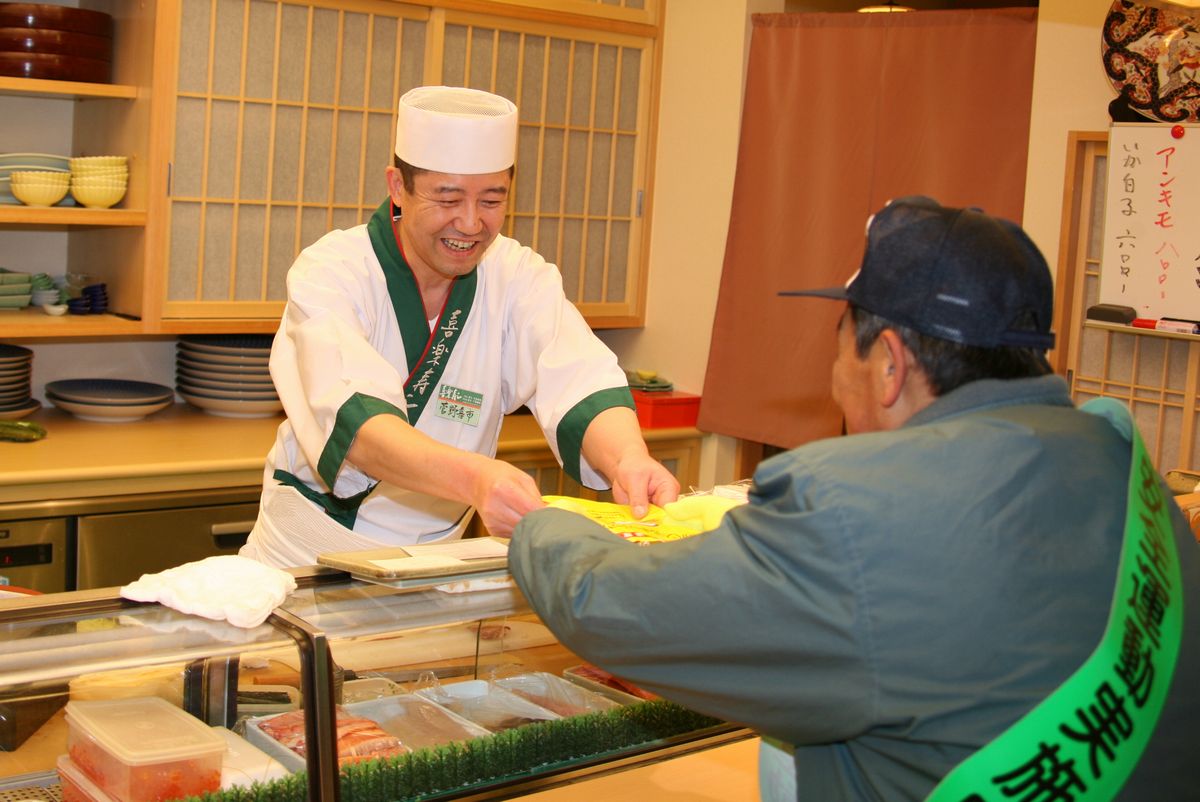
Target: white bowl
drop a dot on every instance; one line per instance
(99, 161)
(105, 185)
(54, 309)
(38, 195)
(100, 175)
(98, 197)
(100, 169)
(39, 177)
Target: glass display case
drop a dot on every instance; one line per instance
(351, 690)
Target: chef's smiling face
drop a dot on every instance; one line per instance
(449, 220)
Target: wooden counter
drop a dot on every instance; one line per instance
(179, 448)
(182, 448)
(727, 773)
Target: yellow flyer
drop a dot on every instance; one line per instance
(655, 527)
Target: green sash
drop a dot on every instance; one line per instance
(1081, 743)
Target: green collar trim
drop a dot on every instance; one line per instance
(427, 352)
(401, 284)
(573, 425)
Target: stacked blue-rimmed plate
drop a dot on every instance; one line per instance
(16, 369)
(109, 400)
(227, 374)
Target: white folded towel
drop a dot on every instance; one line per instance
(226, 588)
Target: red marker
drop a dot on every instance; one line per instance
(1178, 131)
(1177, 326)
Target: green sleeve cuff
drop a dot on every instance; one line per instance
(573, 425)
(357, 410)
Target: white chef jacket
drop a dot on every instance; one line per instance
(355, 342)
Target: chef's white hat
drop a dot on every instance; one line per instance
(451, 129)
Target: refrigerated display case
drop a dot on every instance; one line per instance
(351, 690)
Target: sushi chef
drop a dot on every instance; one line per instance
(899, 603)
(406, 340)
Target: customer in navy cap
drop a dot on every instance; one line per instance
(890, 602)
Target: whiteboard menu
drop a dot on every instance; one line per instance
(1151, 251)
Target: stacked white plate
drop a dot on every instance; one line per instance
(227, 374)
(16, 369)
(109, 400)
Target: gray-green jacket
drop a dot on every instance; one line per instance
(887, 602)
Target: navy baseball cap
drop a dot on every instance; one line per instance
(955, 274)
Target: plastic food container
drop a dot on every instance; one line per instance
(417, 722)
(143, 749)
(245, 764)
(76, 786)
(490, 707)
(555, 694)
(601, 682)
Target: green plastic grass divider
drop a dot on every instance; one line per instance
(511, 754)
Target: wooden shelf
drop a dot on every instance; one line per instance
(32, 323)
(70, 216)
(40, 87)
(1120, 327)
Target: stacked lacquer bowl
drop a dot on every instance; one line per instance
(227, 374)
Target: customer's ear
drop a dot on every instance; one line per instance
(892, 367)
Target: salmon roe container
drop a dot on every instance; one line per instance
(143, 749)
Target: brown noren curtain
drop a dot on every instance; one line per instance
(843, 111)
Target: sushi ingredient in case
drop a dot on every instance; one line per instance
(482, 702)
(357, 738)
(591, 673)
(418, 722)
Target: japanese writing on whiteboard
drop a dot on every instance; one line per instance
(1151, 258)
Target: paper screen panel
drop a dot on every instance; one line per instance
(580, 152)
(283, 131)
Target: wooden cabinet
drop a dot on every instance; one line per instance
(255, 126)
(108, 244)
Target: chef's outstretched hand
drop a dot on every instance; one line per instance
(502, 495)
(641, 480)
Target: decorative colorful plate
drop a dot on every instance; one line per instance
(1152, 58)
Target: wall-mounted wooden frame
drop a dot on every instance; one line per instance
(1156, 373)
